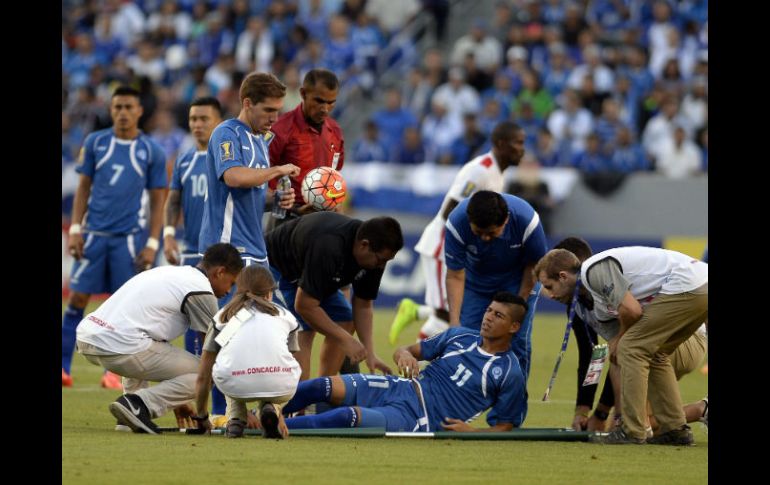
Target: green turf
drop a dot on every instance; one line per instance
(93, 453)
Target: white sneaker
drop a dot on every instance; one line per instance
(123, 428)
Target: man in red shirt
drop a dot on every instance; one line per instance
(307, 136)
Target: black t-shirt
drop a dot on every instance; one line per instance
(315, 251)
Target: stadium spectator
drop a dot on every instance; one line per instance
(625, 154)
(458, 96)
(187, 191)
(593, 159)
(660, 128)
(532, 93)
(412, 150)
(312, 257)
(131, 334)
(642, 288)
(570, 124)
(678, 158)
(486, 50)
(431, 403)
(393, 118)
(266, 338)
(439, 130)
(467, 146)
(529, 185)
(167, 134)
(602, 76)
(254, 49)
(392, 15)
(370, 148)
(115, 166)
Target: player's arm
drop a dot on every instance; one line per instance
(363, 318)
(455, 287)
(83, 192)
(171, 212)
(407, 358)
(585, 394)
(527, 281)
(451, 424)
(451, 204)
(245, 177)
(146, 257)
(606, 274)
(310, 310)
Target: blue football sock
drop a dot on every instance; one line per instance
(218, 403)
(69, 325)
(343, 417)
(309, 392)
(191, 343)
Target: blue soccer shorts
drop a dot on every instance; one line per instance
(391, 396)
(336, 306)
(107, 262)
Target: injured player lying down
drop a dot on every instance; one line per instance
(469, 372)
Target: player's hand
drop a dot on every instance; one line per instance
(287, 199)
(407, 365)
(282, 428)
(579, 422)
(202, 425)
(144, 259)
(451, 424)
(306, 209)
(171, 250)
(289, 169)
(75, 246)
(184, 414)
(354, 349)
(596, 424)
(374, 364)
(252, 422)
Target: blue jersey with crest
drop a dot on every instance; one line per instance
(498, 264)
(189, 177)
(120, 170)
(234, 215)
(463, 380)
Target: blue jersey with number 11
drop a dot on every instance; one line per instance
(189, 177)
(463, 381)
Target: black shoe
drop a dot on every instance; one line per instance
(615, 437)
(235, 428)
(131, 411)
(681, 436)
(269, 419)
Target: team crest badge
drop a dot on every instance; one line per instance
(226, 151)
(497, 372)
(141, 154)
(607, 289)
(468, 189)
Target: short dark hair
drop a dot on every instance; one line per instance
(208, 101)
(125, 91)
(512, 299)
(324, 76)
(487, 209)
(505, 130)
(258, 86)
(222, 254)
(382, 233)
(577, 246)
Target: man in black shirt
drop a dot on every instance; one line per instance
(312, 258)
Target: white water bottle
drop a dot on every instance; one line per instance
(284, 184)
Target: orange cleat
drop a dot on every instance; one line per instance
(66, 379)
(111, 380)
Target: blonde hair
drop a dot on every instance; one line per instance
(253, 284)
(554, 261)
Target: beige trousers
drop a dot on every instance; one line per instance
(645, 367)
(236, 408)
(173, 368)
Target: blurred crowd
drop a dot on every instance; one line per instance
(600, 85)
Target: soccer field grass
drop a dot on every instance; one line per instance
(92, 452)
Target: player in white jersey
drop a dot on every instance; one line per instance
(249, 353)
(660, 298)
(484, 172)
(130, 334)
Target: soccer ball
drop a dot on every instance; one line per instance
(323, 188)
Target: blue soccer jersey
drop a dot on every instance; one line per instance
(189, 177)
(462, 381)
(498, 264)
(119, 170)
(234, 215)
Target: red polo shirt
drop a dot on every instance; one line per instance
(299, 143)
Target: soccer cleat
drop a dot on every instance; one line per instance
(615, 437)
(406, 314)
(268, 417)
(66, 379)
(123, 428)
(235, 428)
(110, 380)
(218, 420)
(130, 410)
(681, 436)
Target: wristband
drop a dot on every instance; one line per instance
(152, 243)
(74, 229)
(201, 418)
(601, 415)
(169, 231)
